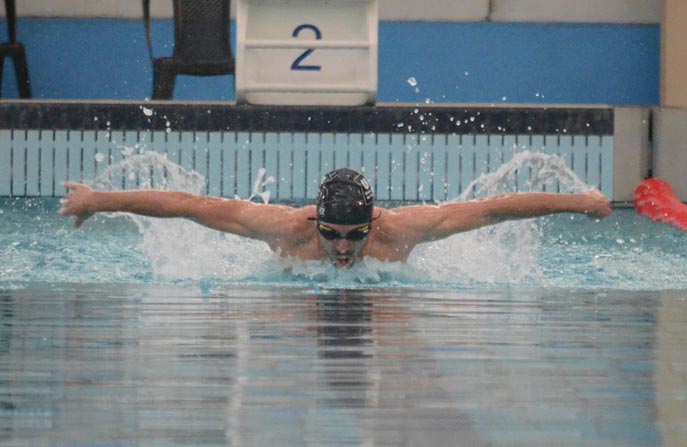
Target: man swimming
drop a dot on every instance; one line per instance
(343, 226)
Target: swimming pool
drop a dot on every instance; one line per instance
(559, 331)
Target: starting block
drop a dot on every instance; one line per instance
(306, 52)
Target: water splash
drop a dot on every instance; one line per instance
(259, 186)
(148, 170)
(526, 171)
(177, 248)
(505, 253)
(367, 272)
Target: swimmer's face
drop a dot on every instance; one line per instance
(343, 243)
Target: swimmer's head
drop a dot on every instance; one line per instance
(345, 198)
(344, 213)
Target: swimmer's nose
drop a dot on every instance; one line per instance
(342, 245)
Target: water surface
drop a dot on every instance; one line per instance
(133, 364)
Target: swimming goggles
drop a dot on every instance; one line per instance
(355, 235)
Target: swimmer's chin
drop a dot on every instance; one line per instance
(343, 262)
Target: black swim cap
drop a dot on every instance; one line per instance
(345, 198)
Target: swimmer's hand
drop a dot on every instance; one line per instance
(79, 202)
(598, 205)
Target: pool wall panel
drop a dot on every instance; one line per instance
(409, 154)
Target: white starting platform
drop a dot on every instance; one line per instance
(306, 52)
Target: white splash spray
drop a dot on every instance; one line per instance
(259, 186)
(500, 254)
(504, 253)
(178, 248)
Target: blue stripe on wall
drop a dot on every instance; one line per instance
(521, 62)
(452, 62)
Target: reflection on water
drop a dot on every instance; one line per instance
(344, 336)
(153, 365)
(386, 375)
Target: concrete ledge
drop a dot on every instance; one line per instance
(427, 10)
(611, 11)
(630, 150)
(670, 148)
(434, 10)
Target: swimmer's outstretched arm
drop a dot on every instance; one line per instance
(240, 217)
(436, 222)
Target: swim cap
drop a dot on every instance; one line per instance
(345, 198)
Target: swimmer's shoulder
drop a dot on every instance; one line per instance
(286, 210)
(300, 219)
(405, 223)
(402, 213)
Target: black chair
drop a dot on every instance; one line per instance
(16, 51)
(201, 44)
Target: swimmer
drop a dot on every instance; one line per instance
(343, 226)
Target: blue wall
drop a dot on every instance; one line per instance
(452, 62)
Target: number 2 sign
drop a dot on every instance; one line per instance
(306, 52)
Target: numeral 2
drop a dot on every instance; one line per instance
(297, 64)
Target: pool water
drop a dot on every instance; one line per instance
(624, 252)
(559, 331)
(95, 364)
(106, 341)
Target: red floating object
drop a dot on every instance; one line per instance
(656, 199)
